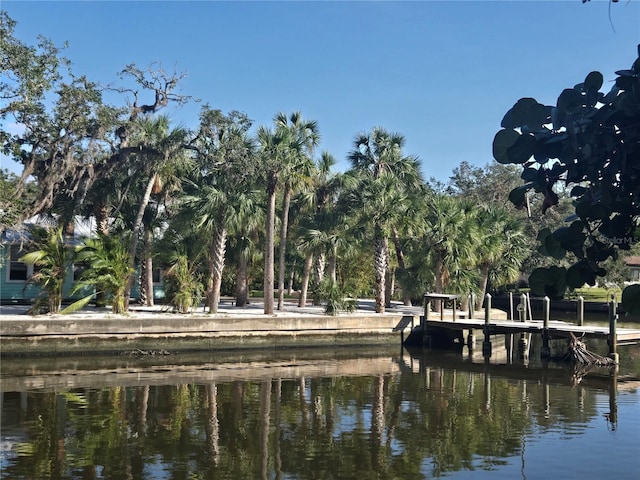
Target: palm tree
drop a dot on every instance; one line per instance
(108, 269)
(319, 221)
(380, 178)
(451, 238)
(223, 196)
(53, 259)
(273, 151)
(502, 247)
(161, 151)
(297, 170)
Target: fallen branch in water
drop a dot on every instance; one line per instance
(577, 353)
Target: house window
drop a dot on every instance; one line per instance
(78, 269)
(18, 271)
(156, 274)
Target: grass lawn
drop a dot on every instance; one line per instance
(596, 294)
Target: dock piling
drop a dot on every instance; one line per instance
(522, 343)
(613, 339)
(486, 344)
(546, 351)
(580, 311)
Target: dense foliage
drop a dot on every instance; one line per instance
(586, 146)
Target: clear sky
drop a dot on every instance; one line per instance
(442, 73)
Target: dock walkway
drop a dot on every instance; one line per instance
(556, 328)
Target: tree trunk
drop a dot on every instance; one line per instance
(137, 226)
(484, 281)
(333, 266)
(306, 274)
(406, 294)
(439, 275)
(217, 266)
(284, 225)
(318, 276)
(101, 214)
(146, 271)
(242, 283)
(390, 286)
(269, 246)
(380, 266)
(291, 278)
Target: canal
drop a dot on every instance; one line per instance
(380, 413)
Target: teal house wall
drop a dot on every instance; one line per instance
(16, 288)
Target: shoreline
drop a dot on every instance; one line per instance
(156, 329)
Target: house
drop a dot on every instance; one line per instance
(15, 275)
(633, 262)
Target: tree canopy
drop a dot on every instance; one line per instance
(587, 146)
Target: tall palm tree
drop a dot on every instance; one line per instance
(223, 198)
(273, 150)
(303, 137)
(321, 225)
(501, 249)
(161, 151)
(382, 176)
(452, 240)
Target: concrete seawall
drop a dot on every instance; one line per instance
(93, 332)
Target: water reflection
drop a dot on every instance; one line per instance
(318, 414)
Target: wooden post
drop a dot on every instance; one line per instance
(613, 339)
(580, 311)
(546, 351)
(427, 307)
(486, 344)
(511, 316)
(471, 338)
(522, 343)
(453, 308)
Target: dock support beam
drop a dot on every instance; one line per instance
(486, 344)
(523, 344)
(613, 337)
(545, 352)
(580, 311)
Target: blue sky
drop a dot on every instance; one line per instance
(442, 73)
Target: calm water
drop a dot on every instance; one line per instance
(319, 414)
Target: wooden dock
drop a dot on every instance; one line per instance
(557, 329)
(454, 323)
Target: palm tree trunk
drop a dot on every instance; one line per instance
(406, 294)
(439, 275)
(217, 266)
(101, 214)
(306, 274)
(291, 278)
(146, 271)
(137, 226)
(333, 265)
(284, 224)
(381, 246)
(484, 281)
(242, 284)
(318, 276)
(269, 246)
(390, 286)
